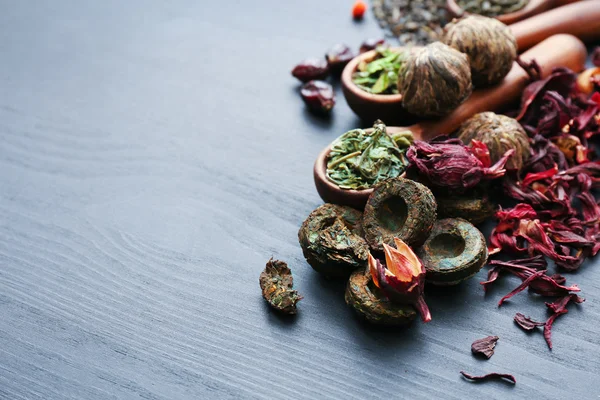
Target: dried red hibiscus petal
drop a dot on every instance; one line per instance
(447, 163)
(526, 322)
(485, 346)
(491, 376)
(559, 307)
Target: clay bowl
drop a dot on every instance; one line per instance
(532, 8)
(368, 106)
(332, 193)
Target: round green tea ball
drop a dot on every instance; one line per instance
(436, 79)
(500, 134)
(490, 45)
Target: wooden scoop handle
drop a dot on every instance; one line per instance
(558, 50)
(581, 19)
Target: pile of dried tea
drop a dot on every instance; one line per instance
(380, 76)
(416, 22)
(360, 159)
(491, 8)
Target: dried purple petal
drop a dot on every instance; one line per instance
(526, 322)
(491, 376)
(484, 346)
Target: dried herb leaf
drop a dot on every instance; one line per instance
(485, 346)
(276, 283)
(380, 76)
(526, 322)
(359, 160)
(491, 376)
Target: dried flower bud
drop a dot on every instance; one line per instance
(318, 96)
(338, 56)
(313, 68)
(436, 80)
(371, 44)
(402, 278)
(331, 240)
(490, 45)
(500, 134)
(276, 283)
(451, 165)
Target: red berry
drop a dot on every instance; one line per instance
(358, 10)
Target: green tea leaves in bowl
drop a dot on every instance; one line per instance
(380, 76)
(360, 159)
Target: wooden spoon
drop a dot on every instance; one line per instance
(558, 50)
(581, 19)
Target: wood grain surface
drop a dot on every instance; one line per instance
(153, 155)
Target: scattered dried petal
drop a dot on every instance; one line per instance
(493, 375)
(276, 283)
(559, 307)
(526, 322)
(484, 346)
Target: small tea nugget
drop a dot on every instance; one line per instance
(371, 304)
(484, 346)
(276, 283)
(490, 45)
(332, 240)
(500, 134)
(436, 80)
(399, 208)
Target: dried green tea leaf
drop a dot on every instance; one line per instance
(380, 76)
(276, 283)
(359, 160)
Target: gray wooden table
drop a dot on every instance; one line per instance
(153, 156)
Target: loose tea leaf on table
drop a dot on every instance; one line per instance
(276, 283)
(485, 346)
(359, 160)
(491, 376)
(380, 76)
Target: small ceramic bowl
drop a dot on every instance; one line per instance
(368, 106)
(332, 193)
(532, 8)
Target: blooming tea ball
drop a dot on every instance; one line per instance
(436, 80)
(490, 45)
(499, 133)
